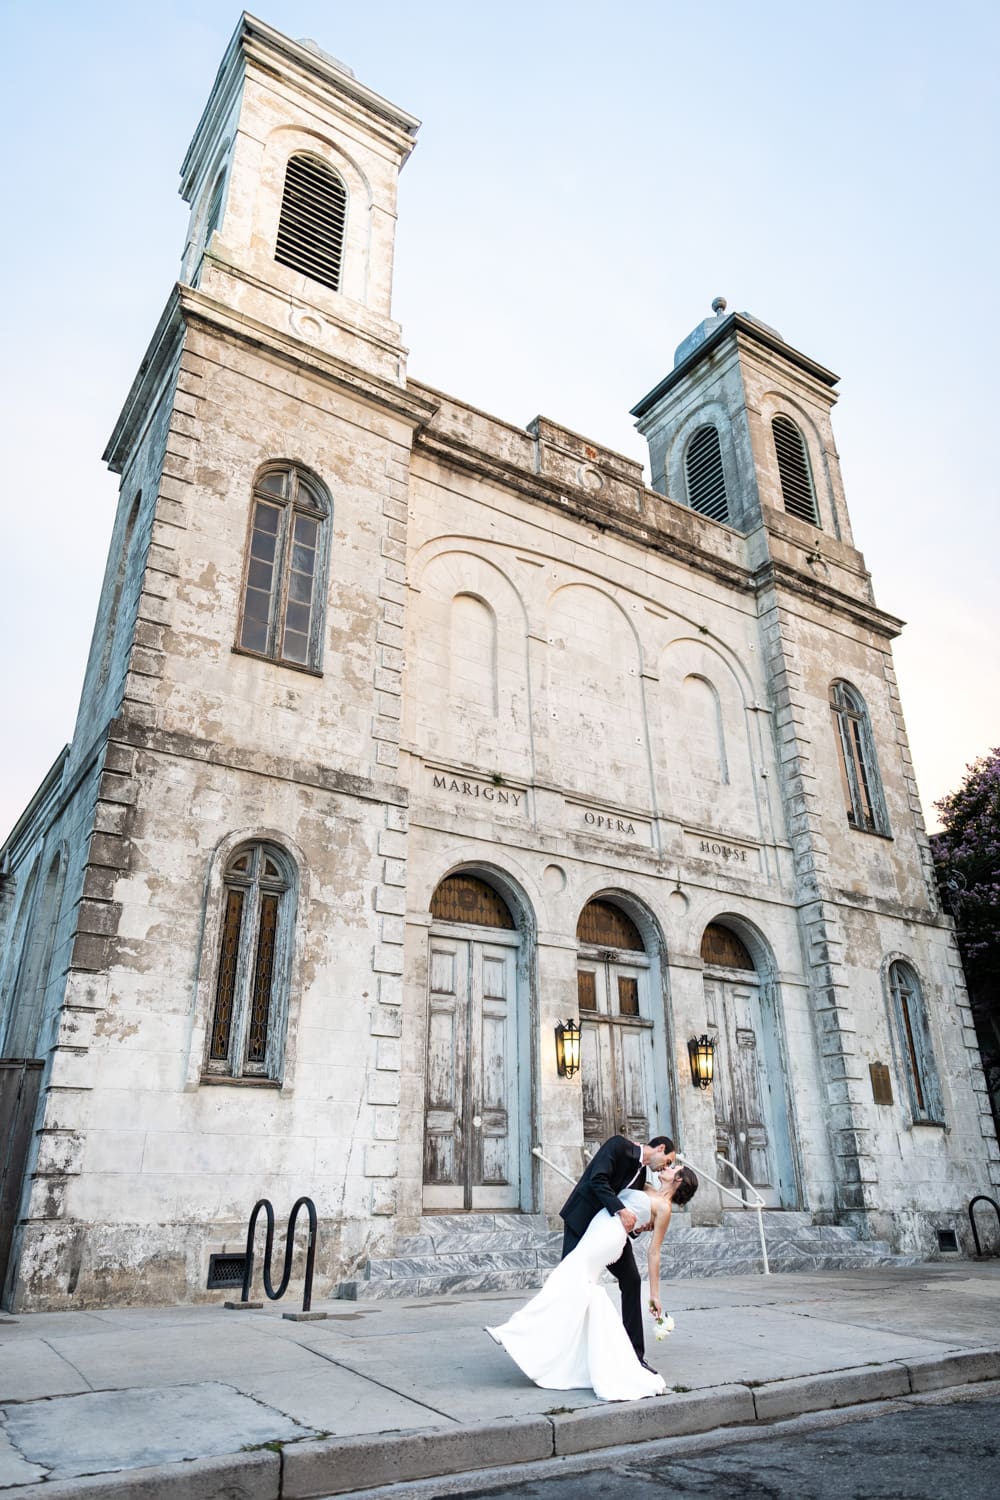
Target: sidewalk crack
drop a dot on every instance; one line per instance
(340, 1365)
(66, 1360)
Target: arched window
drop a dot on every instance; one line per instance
(793, 467)
(704, 475)
(285, 577)
(465, 898)
(914, 1045)
(313, 216)
(861, 782)
(116, 595)
(247, 1038)
(722, 948)
(214, 215)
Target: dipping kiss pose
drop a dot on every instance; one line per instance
(570, 1335)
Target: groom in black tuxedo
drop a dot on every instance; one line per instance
(619, 1164)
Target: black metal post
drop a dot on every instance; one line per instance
(982, 1198)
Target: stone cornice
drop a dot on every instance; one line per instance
(126, 731)
(188, 307)
(778, 576)
(255, 42)
(583, 506)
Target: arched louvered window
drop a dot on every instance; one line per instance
(284, 586)
(704, 475)
(859, 772)
(214, 215)
(793, 467)
(313, 215)
(915, 1045)
(247, 1036)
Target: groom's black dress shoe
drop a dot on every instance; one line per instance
(649, 1367)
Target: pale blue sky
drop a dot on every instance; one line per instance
(587, 178)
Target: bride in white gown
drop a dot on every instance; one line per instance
(571, 1334)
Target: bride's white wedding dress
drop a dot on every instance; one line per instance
(571, 1334)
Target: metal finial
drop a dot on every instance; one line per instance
(719, 305)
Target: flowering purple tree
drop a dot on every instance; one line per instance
(967, 856)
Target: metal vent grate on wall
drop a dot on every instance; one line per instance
(706, 479)
(225, 1270)
(313, 215)
(947, 1240)
(793, 467)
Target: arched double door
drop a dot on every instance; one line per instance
(622, 1074)
(474, 1076)
(751, 1110)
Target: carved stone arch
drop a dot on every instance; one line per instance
(480, 1036)
(470, 698)
(611, 595)
(712, 742)
(752, 1096)
(627, 1080)
(594, 665)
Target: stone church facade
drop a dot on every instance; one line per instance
(407, 735)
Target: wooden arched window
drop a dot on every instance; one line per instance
(915, 1045)
(604, 925)
(466, 898)
(251, 986)
(704, 475)
(722, 948)
(312, 221)
(284, 585)
(797, 490)
(862, 784)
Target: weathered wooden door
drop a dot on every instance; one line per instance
(19, 1086)
(743, 1114)
(471, 1138)
(616, 1049)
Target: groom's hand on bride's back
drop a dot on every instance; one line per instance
(628, 1219)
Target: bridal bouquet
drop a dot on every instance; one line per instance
(664, 1325)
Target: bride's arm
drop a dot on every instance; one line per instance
(661, 1222)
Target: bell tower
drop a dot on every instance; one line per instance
(291, 177)
(740, 429)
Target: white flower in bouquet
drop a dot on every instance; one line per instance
(664, 1325)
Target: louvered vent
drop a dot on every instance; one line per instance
(311, 227)
(706, 480)
(793, 466)
(215, 207)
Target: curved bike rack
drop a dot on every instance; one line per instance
(982, 1198)
(270, 1291)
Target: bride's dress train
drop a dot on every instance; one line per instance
(571, 1334)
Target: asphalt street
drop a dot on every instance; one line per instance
(929, 1451)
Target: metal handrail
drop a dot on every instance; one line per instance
(981, 1198)
(741, 1198)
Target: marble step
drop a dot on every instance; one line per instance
(462, 1263)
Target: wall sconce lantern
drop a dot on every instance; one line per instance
(567, 1048)
(701, 1050)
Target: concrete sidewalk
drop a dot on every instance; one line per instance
(200, 1402)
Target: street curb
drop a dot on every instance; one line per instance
(314, 1468)
(787, 1398)
(643, 1421)
(235, 1476)
(337, 1466)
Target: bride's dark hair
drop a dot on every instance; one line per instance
(686, 1188)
